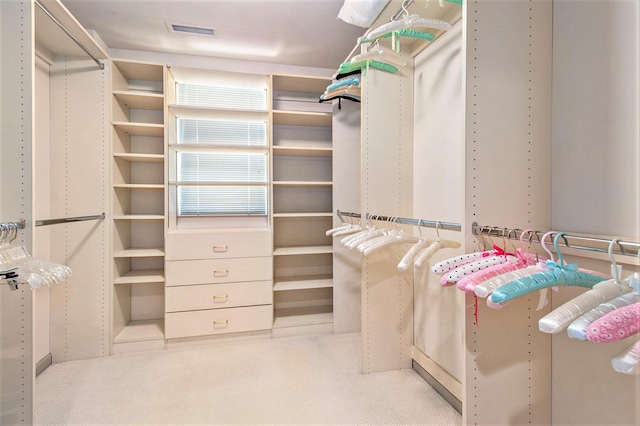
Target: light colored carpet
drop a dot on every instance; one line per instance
(298, 380)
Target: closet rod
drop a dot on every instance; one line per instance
(17, 225)
(600, 245)
(450, 226)
(69, 219)
(348, 214)
(75, 40)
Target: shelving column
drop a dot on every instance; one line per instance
(301, 205)
(138, 205)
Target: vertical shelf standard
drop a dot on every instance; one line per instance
(138, 205)
(302, 151)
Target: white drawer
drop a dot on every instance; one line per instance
(216, 296)
(218, 321)
(217, 245)
(185, 272)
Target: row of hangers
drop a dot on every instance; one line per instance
(383, 58)
(18, 267)
(608, 311)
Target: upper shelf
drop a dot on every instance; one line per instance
(140, 100)
(54, 39)
(297, 118)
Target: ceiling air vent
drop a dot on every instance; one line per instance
(191, 29)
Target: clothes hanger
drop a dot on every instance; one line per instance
(396, 236)
(347, 67)
(381, 54)
(616, 325)
(499, 256)
(485, 288)
(450, 264)
(348, 227)
(628, 361)
(407, 259)
(349, 93)
(37, 272)
(352, 241)
(407, 22)
(556, 274)
(558, 319)
(522, 259)
(433, 248)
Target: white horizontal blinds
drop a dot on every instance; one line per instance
(221, 97)
(221, 182)
(222, 132)
(222, 200)
(216, 167)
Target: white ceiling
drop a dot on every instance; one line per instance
(293, 32)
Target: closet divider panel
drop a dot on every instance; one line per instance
(346, 197)
(80, 186)
(438, 193)
(507, 181)
(16, 111)
(387, 170)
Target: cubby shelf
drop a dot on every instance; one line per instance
(302, 118)
(140, 100)
(302, 250)
(138, 331)
(302, 282)
(138, 157)
(140, 129)
(303, 151)
(141, 276)
(140, 252)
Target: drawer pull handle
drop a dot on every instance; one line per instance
(220, 272)
(220, 249)
(220, 299)
(220, 323)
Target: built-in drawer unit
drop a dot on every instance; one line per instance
(211, 271)
(218, 296)
(218, 245)
(218, 321)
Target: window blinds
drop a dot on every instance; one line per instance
(224, 170)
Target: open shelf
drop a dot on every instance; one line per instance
(140, 100)
(300, 183)
(297, 317)
(302, 282)
(302, 118)
(141, 276)
(302, 250)
(140, 129)
(139, 158)
(139, 331)
(302, 215)
(140, 252)
(304, 151)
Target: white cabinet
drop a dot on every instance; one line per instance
(138, 203)
(301, 204)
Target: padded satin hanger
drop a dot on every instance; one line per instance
(395, 236)
(556, 274)
(433, 248)
(450, 264)
(521, 260)
(408, 257)
(628, 361)
(558, 319)
(616, 325)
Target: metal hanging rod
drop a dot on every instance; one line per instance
(600, 245)
(75, 40)
(450, 226)
(348, 214)
(17, 225)
(69, 219)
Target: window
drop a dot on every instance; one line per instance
(220, 151)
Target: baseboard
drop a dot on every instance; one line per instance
(43, 364)
(440, 380)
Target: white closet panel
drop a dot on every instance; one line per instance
(16, 107)
(387, 189)
(79, 187)
(438, 193)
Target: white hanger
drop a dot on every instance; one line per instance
(408, 21)
(558, 319)
(394, 236)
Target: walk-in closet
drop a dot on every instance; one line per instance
(400, 211)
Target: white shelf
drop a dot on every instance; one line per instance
(208, 113)
(302, 215)
(302, 250)
(138, 186)
(300, 183)
(303, 151)
(302, 283)
(140, 100)
(141, 276)
(140, 129)
(139, 217)
(138, 331)
(139, 158)
(297, 317)
(299, 118)
(140, 252)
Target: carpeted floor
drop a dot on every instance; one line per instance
(298, 380)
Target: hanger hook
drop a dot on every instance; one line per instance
(544, 245)
(555, 246)
(420, 228)
(438, 226)
(614, 266)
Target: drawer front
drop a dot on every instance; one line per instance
(216, 296)
(218, 321)
(185, 272)
(219, 245)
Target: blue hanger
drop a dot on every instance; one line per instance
(557, 274)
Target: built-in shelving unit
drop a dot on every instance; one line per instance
(138, 204)
(301, 205)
